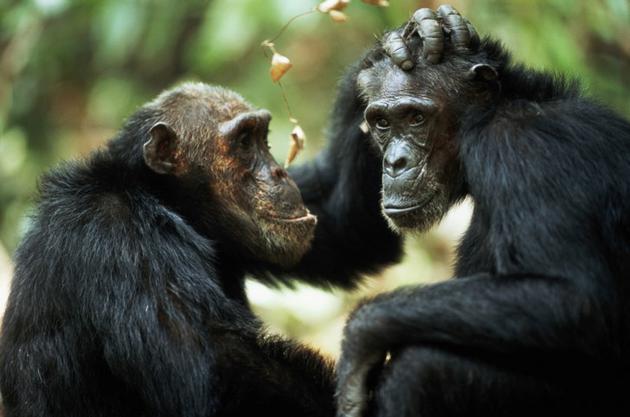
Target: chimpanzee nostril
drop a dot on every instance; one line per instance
(279, 173)
(396, 165)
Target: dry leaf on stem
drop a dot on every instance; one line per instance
(381, 3)
(280, 64)
(298, 138)
(328, 5)
(337, 16)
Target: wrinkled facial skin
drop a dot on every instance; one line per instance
(258, 194)
(413, 124)
(214, 144)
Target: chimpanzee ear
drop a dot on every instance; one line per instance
(483, 72)
(160, 150)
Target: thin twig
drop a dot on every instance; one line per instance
(286, 25)
(286, 102)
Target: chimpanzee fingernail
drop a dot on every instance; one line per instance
(406, 65)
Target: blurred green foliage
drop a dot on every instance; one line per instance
(71, 71)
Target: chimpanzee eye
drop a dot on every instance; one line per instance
(417, 119)
(245, 139)
(382, 124)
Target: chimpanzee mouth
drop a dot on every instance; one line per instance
(397, 211)
(308, 217)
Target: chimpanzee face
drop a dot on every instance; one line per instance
(214, 134)
(264, 198)
(411, 121)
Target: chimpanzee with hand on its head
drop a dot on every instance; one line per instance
(537, 322)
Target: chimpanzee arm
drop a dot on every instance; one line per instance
(276, 375)
(171, 336)
(228, 368)
(522, 317)
(173, 373)
(234, 372)
(160, 314)
(342, 187)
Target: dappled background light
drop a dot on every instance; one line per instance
(71, 71)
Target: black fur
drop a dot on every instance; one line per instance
(537, 321)
(121, 306)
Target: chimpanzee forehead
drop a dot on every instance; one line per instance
(397, 81)
(385, 79)
(196, 112)
(200, 101)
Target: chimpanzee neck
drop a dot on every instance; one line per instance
(232, 277)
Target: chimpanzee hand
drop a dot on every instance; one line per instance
(433, 31)
(354, 366)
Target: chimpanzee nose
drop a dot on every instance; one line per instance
(395, 166)
(396, 160)
(278, 173)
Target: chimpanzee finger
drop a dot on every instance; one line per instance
(455, 24)
(431, 34)
(395, 47)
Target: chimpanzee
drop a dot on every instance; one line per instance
(537, 321)
(128, 297)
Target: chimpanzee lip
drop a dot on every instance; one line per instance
(393, 211)
(397, 211)
(307, 217)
